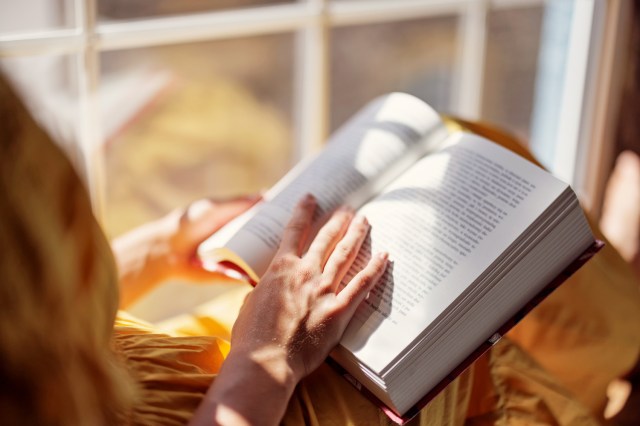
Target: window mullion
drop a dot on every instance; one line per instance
(312, 82)
(202, 26)
(472, 30)
(89, 133)
(54, 42)
(573, 109)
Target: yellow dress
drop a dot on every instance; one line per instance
(66, 358)
(505, 386)
(551, 369)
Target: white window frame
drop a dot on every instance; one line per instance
(311, 21)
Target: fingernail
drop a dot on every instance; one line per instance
(383, 256)
(362, 219)
(308, 199)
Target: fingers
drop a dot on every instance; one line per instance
(356, 290)
(204, 217)
(330, 234)
(346, 251)
(297, 230)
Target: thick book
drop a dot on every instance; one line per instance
(477, 235)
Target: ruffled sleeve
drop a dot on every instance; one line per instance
(171, 373)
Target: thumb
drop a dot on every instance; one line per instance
(204, 217)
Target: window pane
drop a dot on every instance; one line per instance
(196, 120)
(414, 56)
(511, 66)
(127, 9)
(34, 15)
(48, 86)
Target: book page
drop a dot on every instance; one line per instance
(366, 153)
(443, 222)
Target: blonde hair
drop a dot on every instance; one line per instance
(58, 286)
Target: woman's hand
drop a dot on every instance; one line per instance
(293, 318)
(165, 248)
(298, 311)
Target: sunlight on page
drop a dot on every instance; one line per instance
(408, 111)
(464, 219)
(359, 160)
(370, 159)
(412, 216)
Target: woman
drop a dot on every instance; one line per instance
(67, 356)
(45, 212)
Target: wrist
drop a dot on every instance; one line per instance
(269, 360)
(252, 387)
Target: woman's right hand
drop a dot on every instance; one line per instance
(294, 317)
(298, 311)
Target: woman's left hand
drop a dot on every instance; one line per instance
(165, 248)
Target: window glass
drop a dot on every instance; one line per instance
(195, 120)
(416, 56)
(513, 43)
(127, 9)
(26, 16)
(48, 86)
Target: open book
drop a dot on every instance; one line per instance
(476, 235)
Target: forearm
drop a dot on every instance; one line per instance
(139, 262)
(165, 248)
(250, 389)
